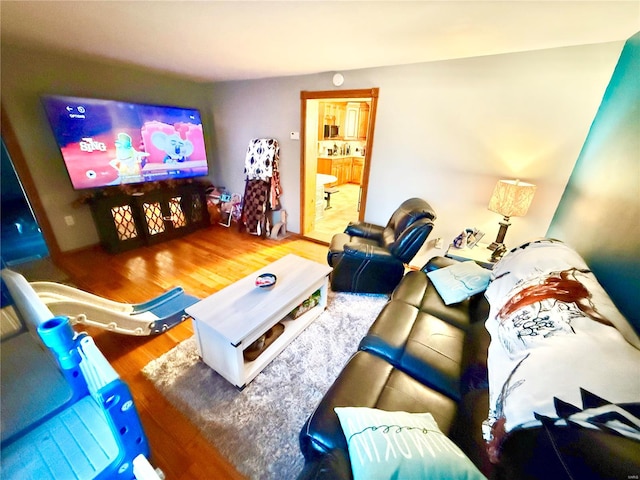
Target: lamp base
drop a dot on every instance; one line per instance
(498, 251)
(498, 246)
(493, 245)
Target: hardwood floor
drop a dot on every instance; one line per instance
(202, 263)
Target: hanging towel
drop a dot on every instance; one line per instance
(255, 207)
(261, 157)
(275, 191)
(263, 188)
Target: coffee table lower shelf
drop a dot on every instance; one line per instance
(292, 328)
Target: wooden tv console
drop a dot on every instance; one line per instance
(125, 221)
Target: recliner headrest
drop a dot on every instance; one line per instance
(408, 212)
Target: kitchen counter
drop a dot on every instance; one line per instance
(323, 179)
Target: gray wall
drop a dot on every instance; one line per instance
(445, 131)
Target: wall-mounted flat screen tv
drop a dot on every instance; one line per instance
(106, 142)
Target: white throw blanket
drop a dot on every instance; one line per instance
(560, 350)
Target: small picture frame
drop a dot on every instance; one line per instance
(468, 238)
(474, 237)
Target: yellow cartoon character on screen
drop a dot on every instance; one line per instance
(128, 161)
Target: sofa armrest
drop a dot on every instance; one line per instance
(365, 230)
(568, 452)
(366, 268)
(435, 263)
(334, 465)
(372, 253)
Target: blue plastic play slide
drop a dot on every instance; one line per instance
(66, 414)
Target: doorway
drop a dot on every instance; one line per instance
(337, 140)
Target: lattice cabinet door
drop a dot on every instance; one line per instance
(118, 223)
(194, 202)
(163, 215)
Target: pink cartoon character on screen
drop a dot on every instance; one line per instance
(173, 143)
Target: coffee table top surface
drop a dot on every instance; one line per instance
(238, 309)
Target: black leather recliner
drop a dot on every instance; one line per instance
(369, 258)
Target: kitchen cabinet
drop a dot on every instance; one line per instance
(346, 169)
(325, 165)
(356, 121)
(339, 167)
(352, 118)
(357, 169)
(333, 113)
(363, 121)
(326, 116)
(340, 111)
(351, 125)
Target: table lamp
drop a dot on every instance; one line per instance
(511, 198)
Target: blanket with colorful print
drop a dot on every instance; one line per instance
(560, 350)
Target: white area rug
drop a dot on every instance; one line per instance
(257, 428)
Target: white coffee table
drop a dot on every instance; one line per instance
(230, 320)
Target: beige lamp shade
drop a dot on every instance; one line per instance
(512, 198)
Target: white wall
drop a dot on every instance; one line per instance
(445, 131)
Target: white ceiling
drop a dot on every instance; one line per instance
(234, 40)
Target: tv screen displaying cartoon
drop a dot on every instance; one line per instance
(106, 143)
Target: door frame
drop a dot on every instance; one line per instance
(26, 180)
(307, 205)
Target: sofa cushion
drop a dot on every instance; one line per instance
(466, 431)
(419, 344)
(399, 444)
(370, 381)
(416, 289)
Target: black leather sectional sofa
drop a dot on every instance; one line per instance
(423, 356)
